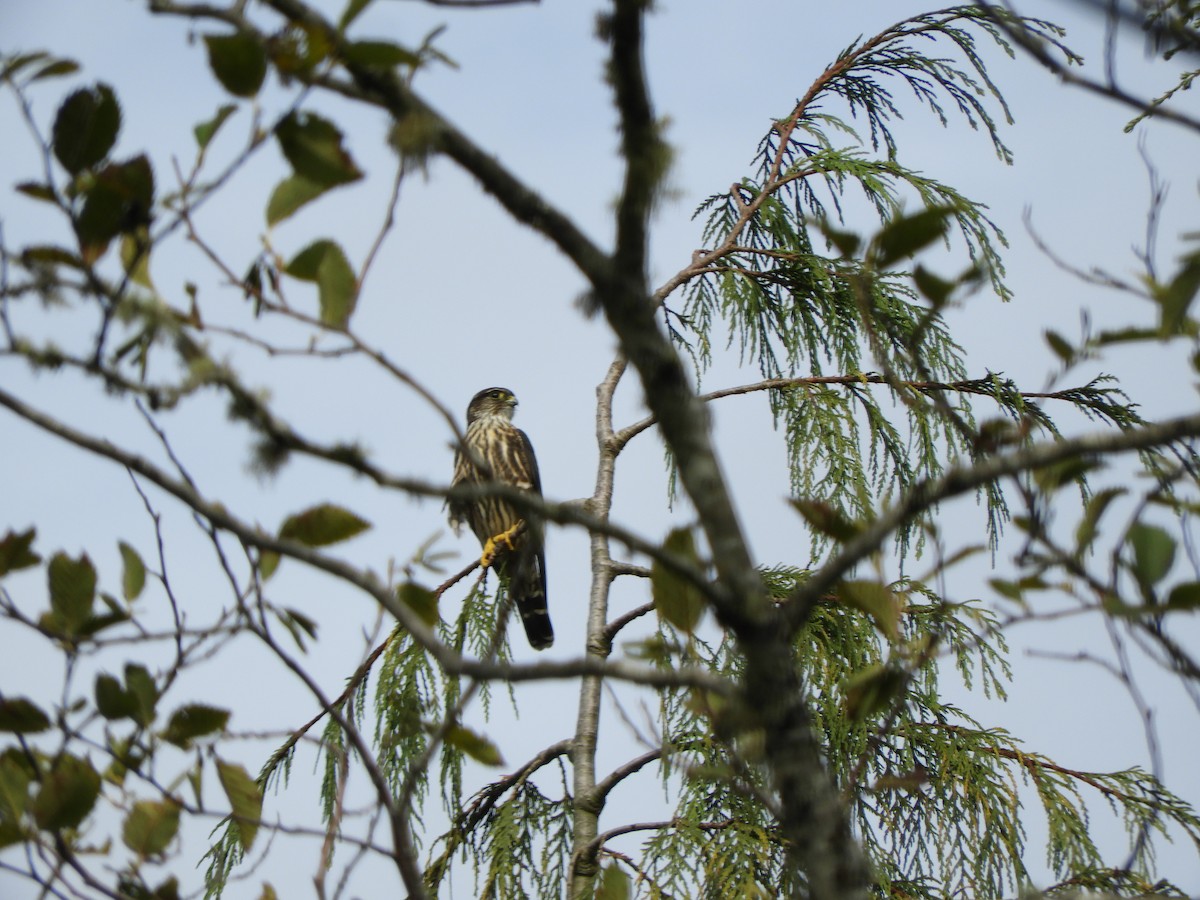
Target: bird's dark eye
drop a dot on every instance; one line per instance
(496, 395)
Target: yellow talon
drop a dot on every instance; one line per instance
(490, 549)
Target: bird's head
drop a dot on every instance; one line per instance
(493, 401)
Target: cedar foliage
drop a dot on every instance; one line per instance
(812, 275)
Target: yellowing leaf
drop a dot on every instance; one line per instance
(150, 827)
(876, 600)
(474, 745)
(676, 598)
(245, 801)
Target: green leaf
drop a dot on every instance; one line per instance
(1177, 297)
(1184, 596)
(16, 551)
(290, 195)
(1088, 526)
(193, 721)
(352, 11)
(56, 69)
(206, 131)
(85, 128)
(614, 884)
(323, 525)
(238, 60)
(139, 683)
(16, 774)
(420, 600)
(42, 192)
(872, 691)
(313, 146)
(66, 794)
(933, 288)
(298, 625)
(1060, 345)
(133, 576)
(676, 598)
(825, 519)
(1068, 471)
(325, 263)
(16, 63)
(150, 827)
(72, 585)
(846, 242)
(876, 600)
(119, 201)
(245, 801)
(21, 716)
(112, 700)
(909, 235)
(380, 54)
(474, 745)
(1153, 553)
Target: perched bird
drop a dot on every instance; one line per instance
(495, 450)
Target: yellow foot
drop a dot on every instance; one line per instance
(496, 543)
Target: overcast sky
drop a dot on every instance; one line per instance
(463, 299)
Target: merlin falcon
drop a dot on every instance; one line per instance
(496, 451)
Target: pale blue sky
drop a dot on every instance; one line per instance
(456, 279)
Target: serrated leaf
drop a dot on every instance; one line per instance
(1153, 553)
(133, 574)
(676, 598)
(474, 745)
(825, 519)
(112, 700)
(908, 235)
(86, 127)
(21, 716)
(420, 600)
(290, 195)
(876, 600)
(72, 584)
(16, 551)
(313, 146)
(245, 801)
(238, 60)
(66, 794)
(192, 721)
(325, 263)
(206, 131)
(614, 884)
(150, 827)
